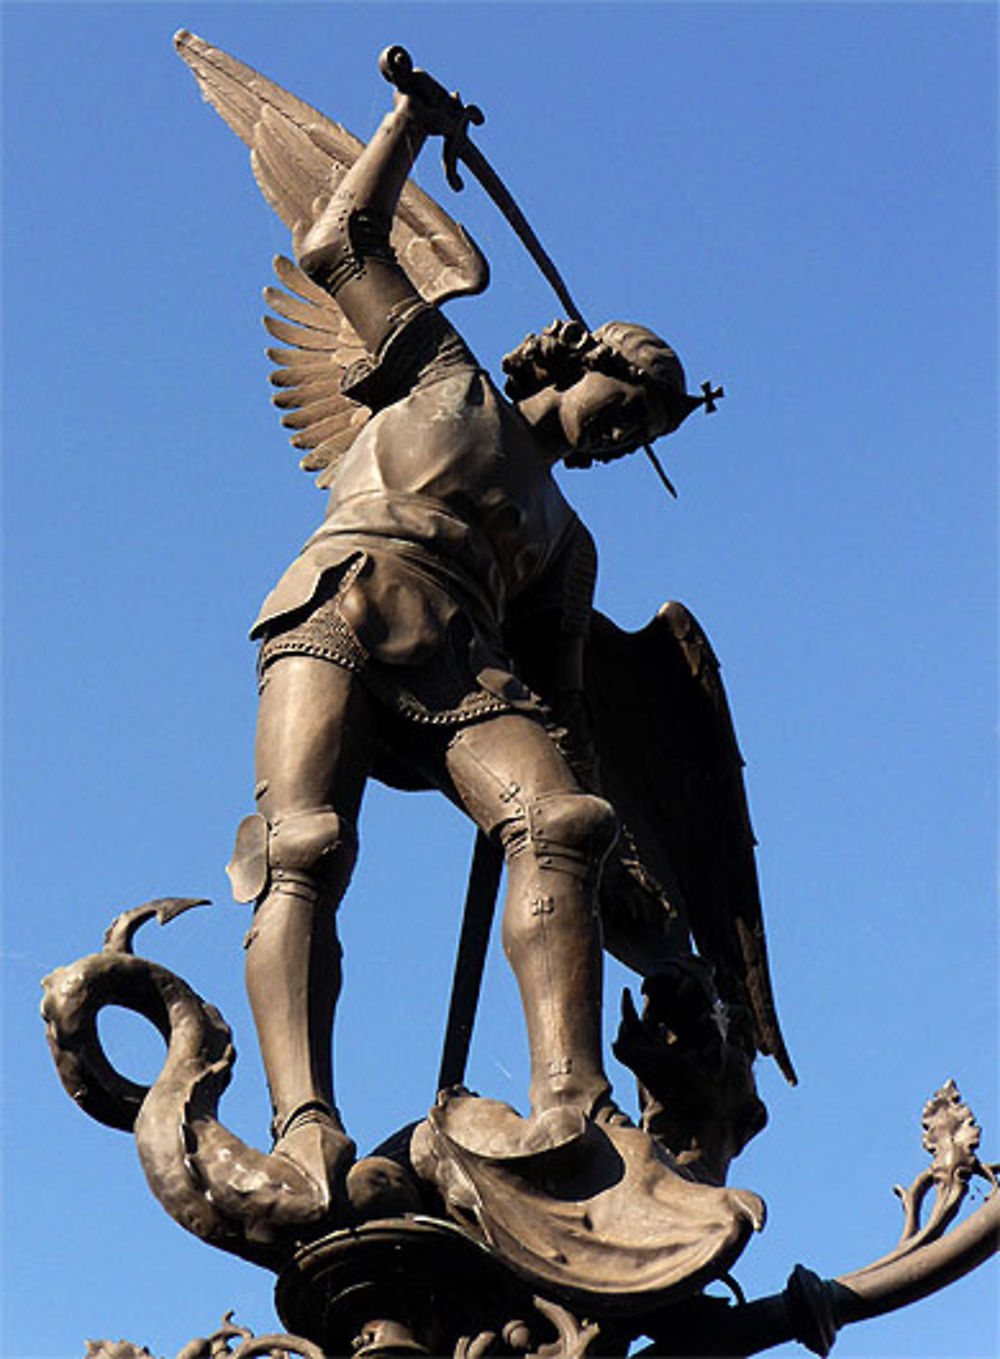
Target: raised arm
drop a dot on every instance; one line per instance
(347, 250)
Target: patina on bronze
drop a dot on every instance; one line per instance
(438, 630)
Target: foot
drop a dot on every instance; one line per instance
(314, 1140)
(593, 1102)
(496, 1132)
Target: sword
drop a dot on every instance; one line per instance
(477, 921)
(396, 65)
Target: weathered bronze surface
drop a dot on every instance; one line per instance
(438, 631)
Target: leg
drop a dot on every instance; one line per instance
(316, 736)
(512, 780)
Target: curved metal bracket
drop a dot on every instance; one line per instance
(927, 1258)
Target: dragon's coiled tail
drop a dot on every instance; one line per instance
(229, 1194)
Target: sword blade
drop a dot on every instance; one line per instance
(477, 921)
(490, 181)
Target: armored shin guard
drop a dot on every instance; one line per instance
(551, 936)
(297, 868)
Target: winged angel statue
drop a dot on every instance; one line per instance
(438, 630)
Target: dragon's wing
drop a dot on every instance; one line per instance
(671, 766)
(298, 158)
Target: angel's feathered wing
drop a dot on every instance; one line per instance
(671, 766)
(298, 158)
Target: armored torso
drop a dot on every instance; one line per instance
(444, 525)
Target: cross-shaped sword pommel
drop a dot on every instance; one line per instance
(710, 395)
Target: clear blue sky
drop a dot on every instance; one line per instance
(802, 198)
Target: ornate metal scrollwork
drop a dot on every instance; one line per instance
(951, 1136)
(573, 1337)
(927, 1257)
(216, 1346)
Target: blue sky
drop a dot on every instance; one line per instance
(802, 198)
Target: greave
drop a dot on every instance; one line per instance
(293, 978)
(293, 962)
(552, 939)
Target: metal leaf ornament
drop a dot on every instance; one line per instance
(951, 1136)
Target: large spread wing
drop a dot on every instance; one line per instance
(671, 765)
(298, 157)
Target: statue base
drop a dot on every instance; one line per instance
(419, 1285)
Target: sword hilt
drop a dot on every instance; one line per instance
(397, 67)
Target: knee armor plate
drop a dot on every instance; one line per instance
(295, 844)
(574, 825)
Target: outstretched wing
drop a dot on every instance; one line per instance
(671, 766)
(321, 345)
(298, 157)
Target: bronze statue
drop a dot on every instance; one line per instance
(438, 631)
(432, 631)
